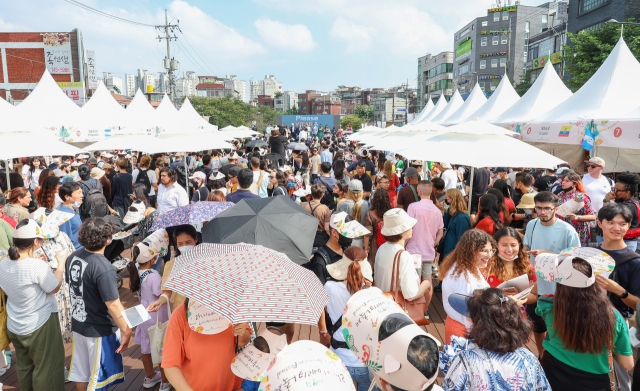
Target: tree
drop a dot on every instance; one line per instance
(354, 120)
(291, 111)
(525, 83)
(277, 94)
(364, 111)
(589, 48)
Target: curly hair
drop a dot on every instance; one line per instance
(521, 265)
(462, 259)
(498, 324)
(94, 233)
(380, 202)
(47, 195)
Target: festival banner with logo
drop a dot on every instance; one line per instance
(57, 53)
(75, 91)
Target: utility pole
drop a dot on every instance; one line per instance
(170, 64)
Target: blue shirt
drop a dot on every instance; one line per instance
(72, 226)
(249, 385)
(240, 195)
(325, 156)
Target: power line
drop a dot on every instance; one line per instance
(102, 13)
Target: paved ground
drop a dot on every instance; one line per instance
(134, 373)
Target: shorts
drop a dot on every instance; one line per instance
(94, 360)
(427, 269)
(539, 326)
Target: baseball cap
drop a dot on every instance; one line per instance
(234, 171)
(411, 172)
(93, 160)
(597, 160)
(59, 173)
(500, 169)
(562, 171)
(355, 185)
(199, 175)
(106, 154)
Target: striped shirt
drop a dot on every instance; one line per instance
(27, 283)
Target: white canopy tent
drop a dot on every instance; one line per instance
(167, 118)
(609, 94)
(138, 142)
(101, 116)
(17, 145)
(140, 116)
(474, 101)
(424, 112)
(439, 106)
(547, 92)
(455, 103)
(46, 110)
(502, 99)
(189, 118)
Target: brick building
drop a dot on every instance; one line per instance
(24, 57)
(305, 101)
(265, 100)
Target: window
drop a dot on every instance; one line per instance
(495, 40)
(494, 63)
(525, 56)
(496, 16)
(505, 15)
(471, 66)
(545, 19)
(493, 87)
(483, 41)
(481, 85)
(503, 62)
(594, 26)
(505, 39)
(527, 26)
(588, 5)
(483, 64)
(485, 23)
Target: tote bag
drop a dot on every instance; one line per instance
(4, 337)
(156, 337)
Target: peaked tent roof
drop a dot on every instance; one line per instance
(547, 92)
(424, 112)
(474, 101)
(455, 103)
(167, 116)
(502, 99)
(102, 113)
(47, 107)
(189, 117)
(609, 93)
(140, 116)
(440, 105)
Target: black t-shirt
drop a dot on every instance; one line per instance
(628, 276)
(318, 264)
(277, 144)
(367, 184)
(369, 166)
(92, 282)
(629, 204)
(481, 179)
(544, 183)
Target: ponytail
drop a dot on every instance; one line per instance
(355, 280)
(13, 253)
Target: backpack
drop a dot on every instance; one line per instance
(143, 177)
(94, 203)
(182, 176)
(327, 199)
(634, 233)
(380, 240)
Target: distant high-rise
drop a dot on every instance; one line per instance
(240, 86)
(131, 85)
(112, 81)
(268, 86)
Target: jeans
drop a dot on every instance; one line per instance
(360, 375)
(371, 379)
(631, 244)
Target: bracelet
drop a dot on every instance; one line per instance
(324, 332)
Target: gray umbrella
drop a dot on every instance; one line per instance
(297, 147)
(277, 223)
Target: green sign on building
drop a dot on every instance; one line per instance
(464, 48)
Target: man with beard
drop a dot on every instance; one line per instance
(624, 192)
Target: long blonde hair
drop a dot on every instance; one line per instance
(457, 202)
(356, 197)
(388, 170)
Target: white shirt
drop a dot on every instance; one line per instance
(171, 198)
(303, 135)
(338, 298)
(152, 179)
(465, 284)
(27, 284)
(409, 279)
(33, 178)
(262, 187)
(596, 189)
(450, 179)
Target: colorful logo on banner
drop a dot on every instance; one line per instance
(564, 131)
(540, 62)
(590, 134)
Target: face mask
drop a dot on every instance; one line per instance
(77, 204)
(344, 242)
(507, 260)
(184, 249)
(447, 202)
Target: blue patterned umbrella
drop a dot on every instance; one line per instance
(193, 214)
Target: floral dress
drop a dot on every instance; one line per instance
(144, 227)
(582, 227)
(48, 251)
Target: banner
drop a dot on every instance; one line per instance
(75, 91)
(464, 48)
(540, 62)
(57, 53)
(91, 69)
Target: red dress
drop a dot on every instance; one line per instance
(394, 183)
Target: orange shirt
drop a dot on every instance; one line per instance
(205, 360)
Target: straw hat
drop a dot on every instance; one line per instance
(339, 270)
(397, 221)
(97, 173)
(527, 202)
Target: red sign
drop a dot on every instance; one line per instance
(617, 132)
(529, 130)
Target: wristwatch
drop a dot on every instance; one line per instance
(624, 294)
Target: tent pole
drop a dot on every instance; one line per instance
(186, 170)
(470, 189)
(6, 171)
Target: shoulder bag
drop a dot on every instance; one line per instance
(4, 336)
(414, 309)
(156, 335)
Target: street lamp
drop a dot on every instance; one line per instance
(613, 21)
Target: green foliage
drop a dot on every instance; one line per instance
(232, 111)
(364, 111)
(291, 111)
(277, 94)
(354, 120)
(525, 83)
(588, 50)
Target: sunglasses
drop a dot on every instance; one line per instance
(592, 165)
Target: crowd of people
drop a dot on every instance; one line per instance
(384, 224)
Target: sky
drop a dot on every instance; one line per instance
(306, 44)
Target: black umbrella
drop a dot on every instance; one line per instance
(256, 144)
(277, 223)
